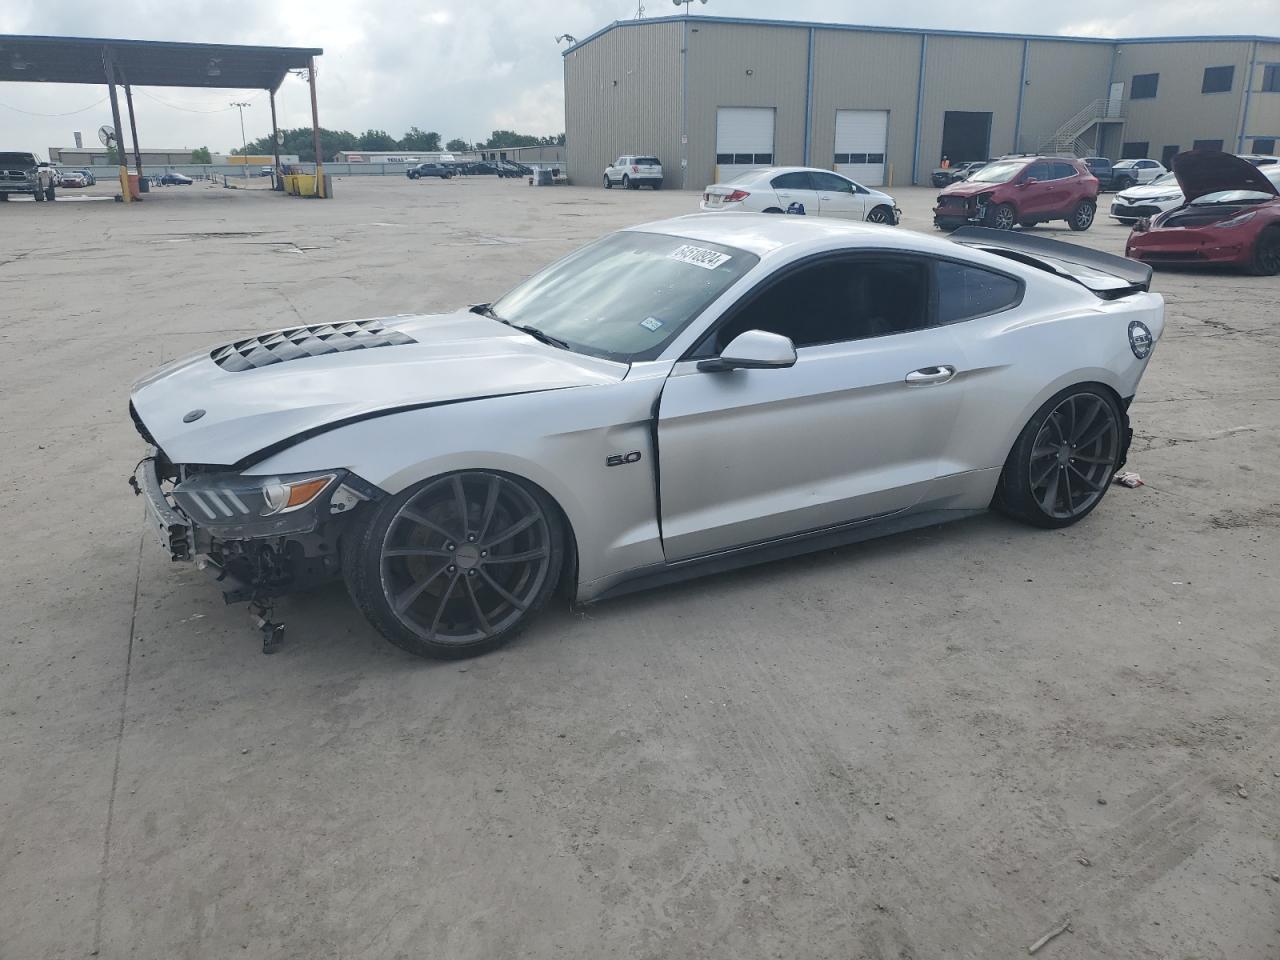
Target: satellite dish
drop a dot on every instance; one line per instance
(280, 137)
(106, 135)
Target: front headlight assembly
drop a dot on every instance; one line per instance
(236, 506)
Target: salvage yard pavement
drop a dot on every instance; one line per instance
(939, 744)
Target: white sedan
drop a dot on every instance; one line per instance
(801, 190)
(1159, 196)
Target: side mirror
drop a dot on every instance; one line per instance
(753, 350)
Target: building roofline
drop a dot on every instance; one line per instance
(914, 31)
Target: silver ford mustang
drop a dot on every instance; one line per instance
(676, 398)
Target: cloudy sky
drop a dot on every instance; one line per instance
(464, 69)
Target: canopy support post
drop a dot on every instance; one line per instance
(125, 194)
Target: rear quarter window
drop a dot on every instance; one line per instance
(966, 292)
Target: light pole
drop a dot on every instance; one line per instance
(241, 104)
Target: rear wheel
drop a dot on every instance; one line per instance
(1062, 463)
(1266, 253)
(657, 184)
(1082, 216)
(626, 182)
(880, 214)
(1124, 183)
(771, 210)
(1028, 224)
(1002, 216)
(3, 197)
(454, 566)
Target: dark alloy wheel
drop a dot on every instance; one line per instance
(1266, 253)
(1082, 215)
(1002, 216)
(455, 565)
(1064, 459)
(880, 214)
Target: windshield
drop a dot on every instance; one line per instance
(625, 296)
(997, 172)
(1163, 178)
(1232, 196)
(17, 160)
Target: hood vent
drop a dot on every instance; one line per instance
(299, 343)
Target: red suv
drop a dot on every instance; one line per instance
(1021, 190)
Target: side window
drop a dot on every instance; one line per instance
(833, 301)
(830, 182)
(966, 292)
(1062, 170)
(1038, 171)
(796, 180)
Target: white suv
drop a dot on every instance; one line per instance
(1129, 173)
(634, 171)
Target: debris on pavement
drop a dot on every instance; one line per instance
(1084, 861)
(1128, 478)
(1061, 928)
(1241, 792)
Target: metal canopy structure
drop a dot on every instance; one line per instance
(158, 63)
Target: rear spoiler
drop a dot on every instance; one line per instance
(1105, 274)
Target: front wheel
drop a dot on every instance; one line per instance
(1266, 254)
(1082, 216)
(1002, 216)
(608, 184)
(880, 214)
(1063, 461)
(454, 566)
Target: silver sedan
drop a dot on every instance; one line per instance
(677, 398)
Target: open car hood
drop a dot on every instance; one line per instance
(1201, 172)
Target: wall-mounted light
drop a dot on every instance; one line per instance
(215, 68)
(750, 73)
(18, 63)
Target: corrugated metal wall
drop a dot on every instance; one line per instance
(622, 95)
(1062, 78)
(1180, 114)
(719, 57)
(865, 71)
(1264, 108)
(623, 91)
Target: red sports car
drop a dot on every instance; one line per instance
(1232, 216)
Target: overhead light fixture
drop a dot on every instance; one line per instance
(17, 63)
(215, 70)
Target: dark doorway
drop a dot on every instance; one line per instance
(1135, 150)
(966, 136)
(1207, 145)
(1167, 155)
(1265, 145)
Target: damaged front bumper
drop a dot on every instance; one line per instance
(175, 532)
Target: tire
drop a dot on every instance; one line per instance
(626, 182)
(39, 195)
(657, 184)
(771, 210)
(1076, 437)
(1122, 184)
(50, 194)
(880, 214)
(1028, 224)
(1127, 221)
(4, 197)
(608, 184)
(426, 568)
(1002, 216)
(1266, 254)
(1082, 216)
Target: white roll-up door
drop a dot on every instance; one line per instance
(744, 139)
(861, 136)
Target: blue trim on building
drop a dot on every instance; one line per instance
(808, 102)
(915, 149)
(1022, 88)
(819, 25)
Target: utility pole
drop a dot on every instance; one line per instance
(244, 143)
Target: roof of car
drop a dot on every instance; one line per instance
(763, 233)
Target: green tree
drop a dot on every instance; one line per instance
(201, 155)
(298, 141)
(509, 138)
(415, 139)
(457, 145)
(377, 140)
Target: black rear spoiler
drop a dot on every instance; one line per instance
(1105, 274)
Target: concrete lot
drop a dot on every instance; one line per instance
(932, 746)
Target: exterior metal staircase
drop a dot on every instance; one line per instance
(1067, 139)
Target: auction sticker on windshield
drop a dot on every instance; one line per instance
(699, 256)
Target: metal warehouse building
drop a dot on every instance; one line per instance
(713, 96)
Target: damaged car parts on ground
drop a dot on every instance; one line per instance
(798, 383)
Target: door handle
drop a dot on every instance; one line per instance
(927, 375)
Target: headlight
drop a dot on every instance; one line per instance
(1165, 199)
(236, 506)
(1237, 219)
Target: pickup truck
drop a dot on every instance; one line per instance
(23, 173)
